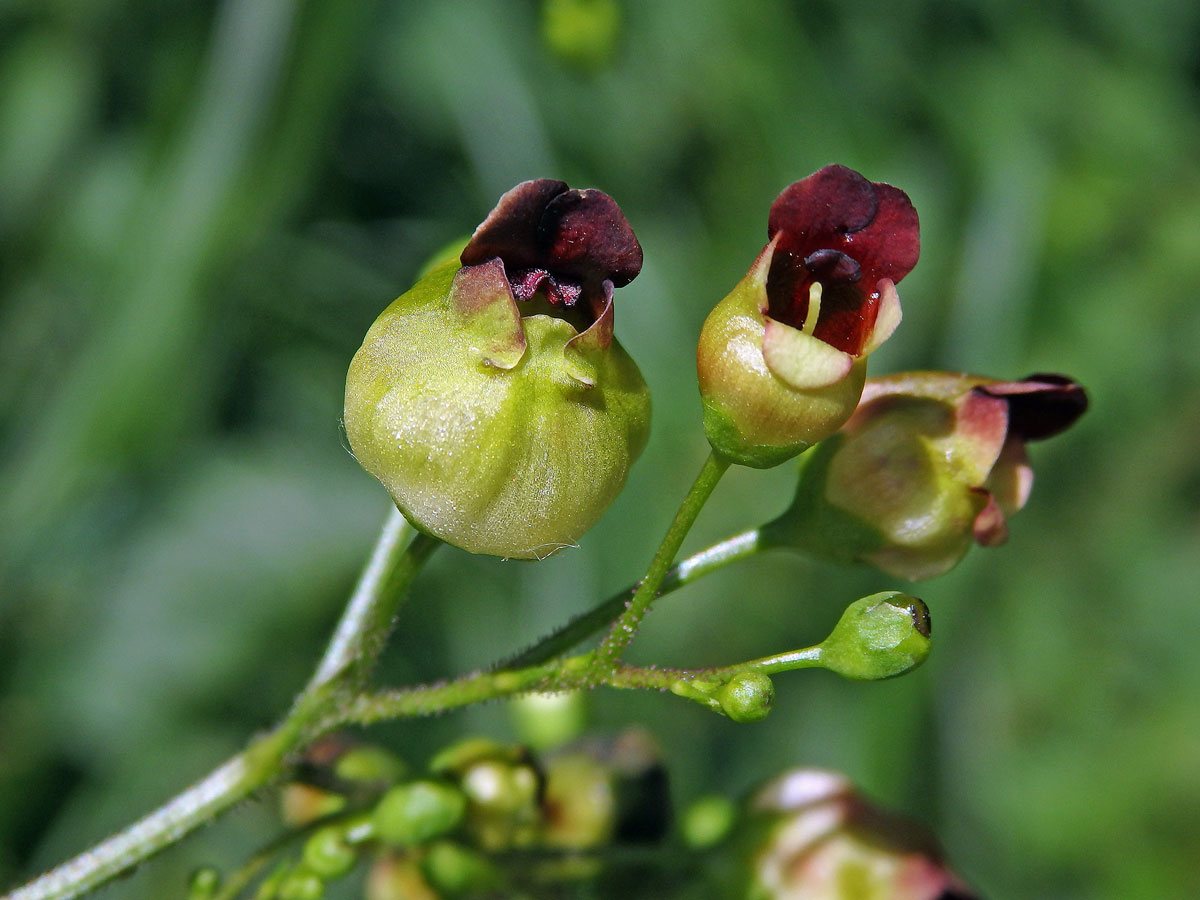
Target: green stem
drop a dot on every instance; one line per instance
(733, 549)
(365, 625)
(627, 624)
(357, 642)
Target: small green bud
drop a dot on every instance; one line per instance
(582, 33)
(398, 878)
(501, 786)
(544, 721)
(204, 883)
(301, 884)
(328, 854)
(707, 821)
(492, 400)
(369, 764)
(457, 870)
(880, 636)
(747, 696)
(413, 813)
(580, 806)
(782, 359)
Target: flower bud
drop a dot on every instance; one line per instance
(328, 853)
(929, 463)
(812, 836)
(492, 400)
(204, 883)
(782, 359)
(457, 870)
(301, 884)
(416, 812)
(880, 636)
(747, 696)
(502, 789)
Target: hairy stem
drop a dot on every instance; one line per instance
(356, 644)
(627, 624)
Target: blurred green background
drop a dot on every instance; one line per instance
(204, 205)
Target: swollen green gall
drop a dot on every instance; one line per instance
(930, 463)
(782, 359)
(880, 636)
(492, 400)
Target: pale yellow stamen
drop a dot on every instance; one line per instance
(814, 308)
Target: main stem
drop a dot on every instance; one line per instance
(357, 642)
(623, 630)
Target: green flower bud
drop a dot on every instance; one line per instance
(810, 835)
(398, 878)
(411, 814)
(747, 696)
(457, 870)
(544, 721)
(582, 33)
(580, 807)
(300, 884)
(369, 764)
(328, 854)
(929, 464)
(502, 788)
(204, 883)
(782, 359)
(880, 636)
(707, 821)
(492, 400)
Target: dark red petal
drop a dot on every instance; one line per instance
(1040, 406)
(890, 245)
(847, 316)
(511, 229)
(817, 212)
(585, 235)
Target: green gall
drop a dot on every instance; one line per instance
(492, 400)
(747, 696)
(880, 636)
(328, 854)
(929, 464)
(411, 814)
(782, 359)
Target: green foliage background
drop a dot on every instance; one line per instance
(204, 205)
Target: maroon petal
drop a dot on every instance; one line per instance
(890, 245)
(585, 235)
(817, 212)
(1040, 406)
(511, 229)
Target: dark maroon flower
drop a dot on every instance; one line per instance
(566, 244)
(852, 237)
